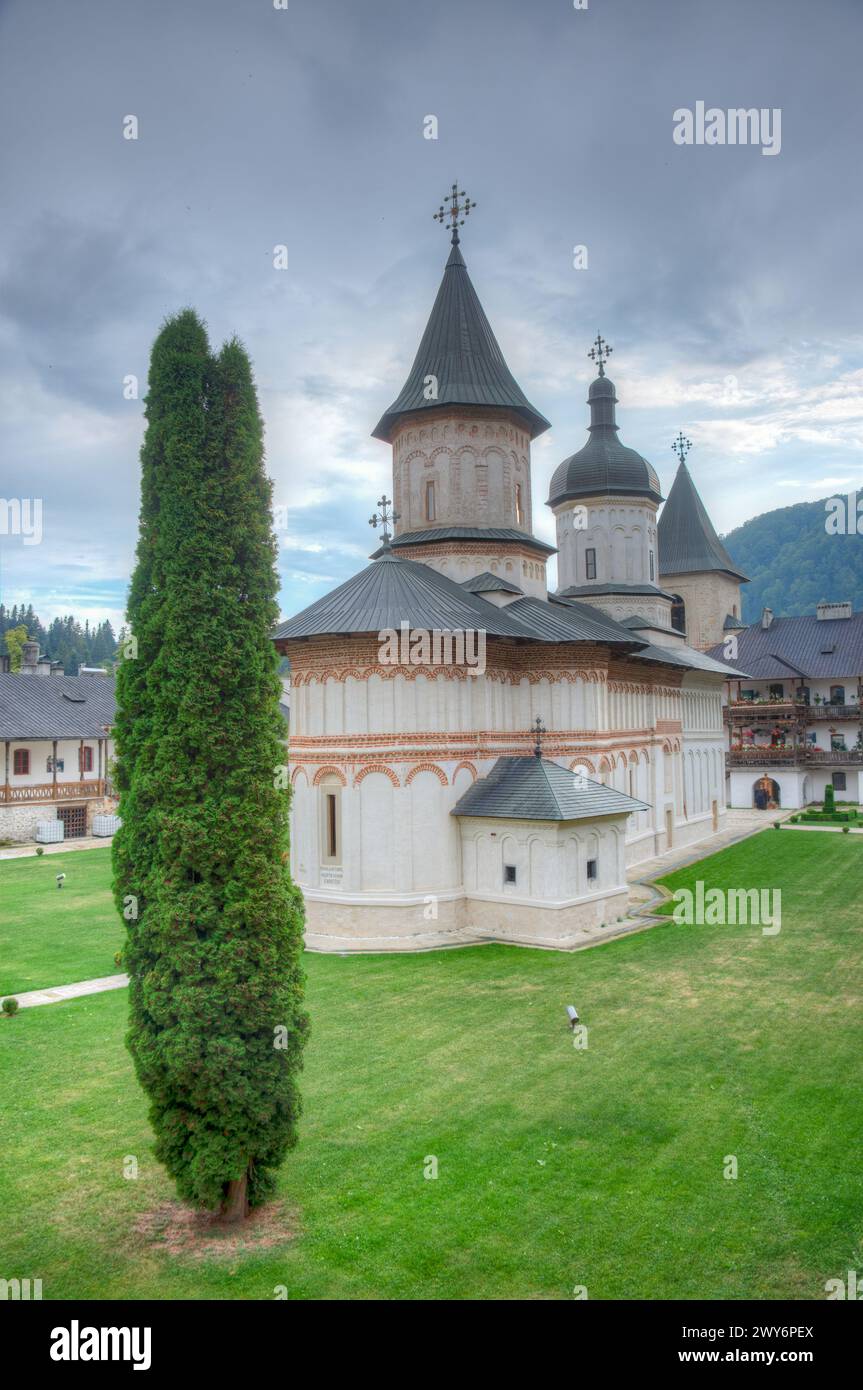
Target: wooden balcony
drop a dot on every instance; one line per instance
(751, 711)
(53, 791)
(754, 756)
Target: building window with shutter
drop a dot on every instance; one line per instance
(21, 762)
(590, 563)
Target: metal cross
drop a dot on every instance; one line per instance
(681, 446)
(385, 519)
(454, 211)
(600, 353)
(539, 729)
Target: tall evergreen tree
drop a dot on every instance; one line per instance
(213, 952)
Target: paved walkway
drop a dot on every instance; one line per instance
(57, 993)
(85, 842)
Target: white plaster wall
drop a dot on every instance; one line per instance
(621, 531)
(41, 750)
(475, 462)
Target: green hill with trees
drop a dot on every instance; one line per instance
(793, 563)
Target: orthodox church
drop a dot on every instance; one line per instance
(473, 757)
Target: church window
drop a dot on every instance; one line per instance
(509, 873)
(591, 870)
(519, 508)
(590, 563)
(331, 828)
(652, 568)
(678, 614)
(430, 506)
(21, 762)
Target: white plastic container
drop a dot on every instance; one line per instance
(49, 832)
(106, 825)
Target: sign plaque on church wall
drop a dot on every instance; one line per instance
(331, 878)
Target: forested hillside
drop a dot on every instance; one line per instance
(793, 563)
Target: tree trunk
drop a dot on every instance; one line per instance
(235, 1203)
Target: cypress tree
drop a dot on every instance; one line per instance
(201, 862)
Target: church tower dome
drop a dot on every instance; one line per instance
(605, 497)
(461, 429)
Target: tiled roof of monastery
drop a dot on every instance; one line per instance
(806, 646)
(688, 543)
(531, 788)
(488, 583)
(55, 706)
(688, 657)
(467, 533)
(391, 591)
(587, 591)
(460, 350)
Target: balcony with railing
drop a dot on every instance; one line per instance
(743, 711)
(755, 755)
(53, 791)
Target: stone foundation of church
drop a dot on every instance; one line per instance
(334, 927)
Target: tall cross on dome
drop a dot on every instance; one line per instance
(600, 353)
(454, 211)
(681, 446)
(386, 517)
(539, 729)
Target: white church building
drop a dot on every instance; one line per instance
(471, 756)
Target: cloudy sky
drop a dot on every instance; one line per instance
(727, 280)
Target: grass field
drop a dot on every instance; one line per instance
(557, 1167)
(51, 936)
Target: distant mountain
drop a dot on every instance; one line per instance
(793, 563)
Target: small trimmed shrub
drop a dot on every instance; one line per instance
(10, 1006)
(40, 849)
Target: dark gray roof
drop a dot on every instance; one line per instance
(467, 533)
(391, 591)
(732, 624)
(552, 620)
(460, 350)
(488, 583)
(604, 466)
(638, 623)
(812, 647)
(688, 657)
(588, 590)
(531, 788)
(55, 706)
(688, 543)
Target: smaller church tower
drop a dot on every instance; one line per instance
(461, 429)
(694, 564)
(605, 499)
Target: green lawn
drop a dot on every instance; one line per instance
(556, 1167)
(51, 936)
